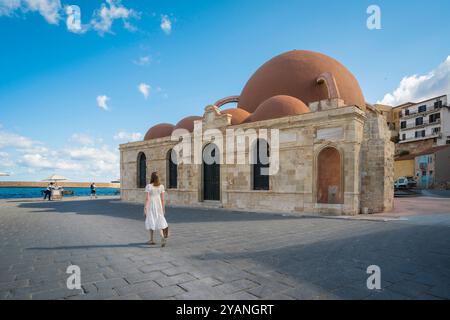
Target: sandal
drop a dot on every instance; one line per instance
(152, 243)
(163, 242)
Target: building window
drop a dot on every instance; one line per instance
(419, 121)
(438, 104)
(172, 169)
(436, 130)
(407, 112)
(420, 134)
(142, 171)
(403, 125)
(434, 117)
(403, 137)
(261, 165)
(422, 108)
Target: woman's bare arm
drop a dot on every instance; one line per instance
(162, 202)
(147, 202)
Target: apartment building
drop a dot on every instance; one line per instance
(424, 124)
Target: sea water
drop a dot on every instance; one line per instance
(29, 192)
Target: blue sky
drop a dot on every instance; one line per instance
(188, 54)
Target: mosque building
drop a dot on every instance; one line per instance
(334, 150)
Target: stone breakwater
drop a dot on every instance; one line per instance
(64, 184)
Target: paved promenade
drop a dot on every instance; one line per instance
(214, 254)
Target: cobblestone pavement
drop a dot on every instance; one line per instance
(214, 254)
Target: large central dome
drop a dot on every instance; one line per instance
(296, 73)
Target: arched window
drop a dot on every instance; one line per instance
(172, 169)
(329, 176)
(261, 165)
(142, 171)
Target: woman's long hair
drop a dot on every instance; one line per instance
(154, 180)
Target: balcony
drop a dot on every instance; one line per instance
(427, 136)
(416, 114)
(424, 124)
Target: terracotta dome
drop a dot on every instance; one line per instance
(187, 123)
(278, 107)
(238, 116)
(296, 73)
(159, 131)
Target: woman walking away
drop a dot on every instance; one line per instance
(154, 209)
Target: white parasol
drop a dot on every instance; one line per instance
(55, 177)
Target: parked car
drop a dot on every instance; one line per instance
(412, 182)
(401, 183)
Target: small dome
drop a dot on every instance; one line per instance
(159, 131)
(278, 107)
(238, 116)
(295, 73)
(187, 123)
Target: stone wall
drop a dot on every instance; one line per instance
(377, 166)
(294, 188)
(414, 147)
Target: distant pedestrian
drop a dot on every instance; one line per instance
(154, 210)
(93, 190)
(48, 192)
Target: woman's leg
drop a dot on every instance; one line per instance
(163, 239)
(151, 241)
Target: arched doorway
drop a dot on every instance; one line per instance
(142, 171)
(329, 176)
(261, 165)
(211, 172)
(172, 169)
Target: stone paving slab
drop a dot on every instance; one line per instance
(216, 254)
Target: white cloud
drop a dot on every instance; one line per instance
(143, 61)
(102, 102)
(49, 9)
(7, 7)
(166, 24)
(90, 153)
(144, 89)
(101, 21)
(421, 87)
(104, 17)
(89, 161)
(8, 139)
(95, 160)
(5, 160)
(130, 27)
(40, 161)
(84, 161)
(82, 138)
(128, 136)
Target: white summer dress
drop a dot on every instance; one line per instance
(155, 219)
